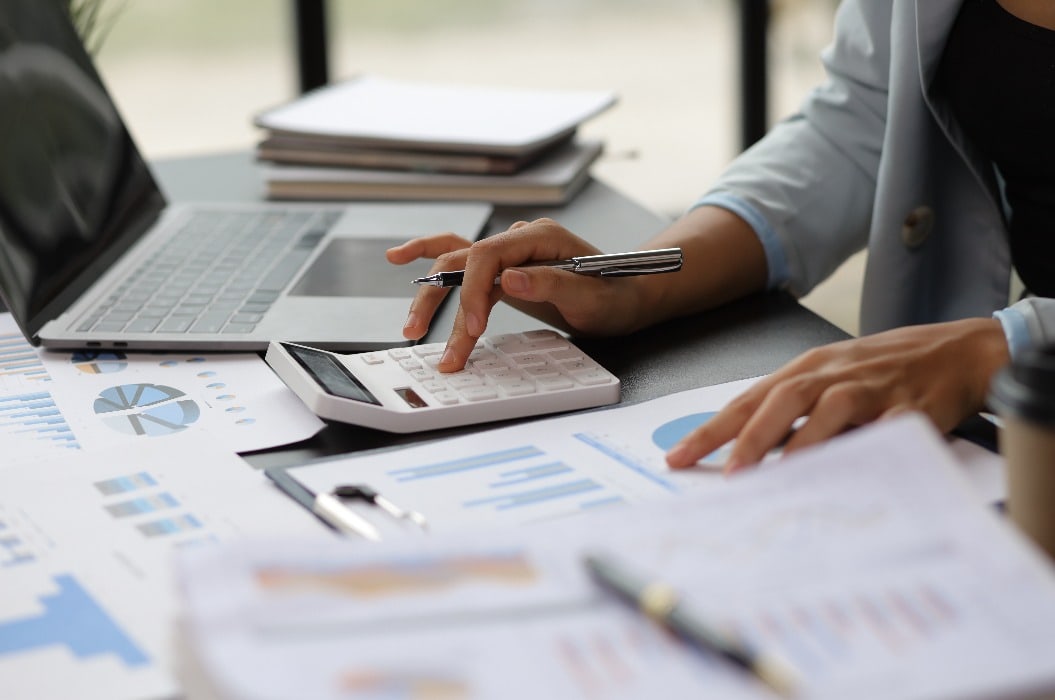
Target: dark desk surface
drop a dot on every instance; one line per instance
(748, 338)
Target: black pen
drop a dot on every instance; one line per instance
(662, 604)
(640, 262)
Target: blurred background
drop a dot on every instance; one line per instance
(188, 76)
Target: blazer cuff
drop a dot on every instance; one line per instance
(776, 261)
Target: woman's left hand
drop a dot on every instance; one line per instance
(942, 370)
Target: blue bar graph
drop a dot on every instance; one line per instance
(72, 619)
(17, 357)
(13, 549)
(483, 461)
(145, 504)
(36, 417)
(121, 484)
(170, 526)
(522, 479)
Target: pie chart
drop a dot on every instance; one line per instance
(146, 409)
(99, 362)
(670, 433)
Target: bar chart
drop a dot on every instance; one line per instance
(33, 418)
(19, 360)
(522, 478)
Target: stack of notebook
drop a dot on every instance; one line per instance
(376, 138)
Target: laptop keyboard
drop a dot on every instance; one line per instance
(219, 274)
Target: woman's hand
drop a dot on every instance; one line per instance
(942, 370)
(576, 303)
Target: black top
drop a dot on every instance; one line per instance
(998, 74)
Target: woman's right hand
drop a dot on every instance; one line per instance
(576, 303)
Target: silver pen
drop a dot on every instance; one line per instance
(641, 262)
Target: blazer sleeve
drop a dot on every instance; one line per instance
(808, 187)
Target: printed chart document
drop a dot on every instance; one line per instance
(86, 541)
(866, 564)
(551, 468)
(60, 401)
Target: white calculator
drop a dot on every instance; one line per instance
(401, 391)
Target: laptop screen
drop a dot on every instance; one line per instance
(74, 191)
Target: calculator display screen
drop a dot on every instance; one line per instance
(411, 397)
(330, 374)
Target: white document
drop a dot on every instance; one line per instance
(437, 115)
(86, 541)
(865, 563)
(554, 468)
(53, 402)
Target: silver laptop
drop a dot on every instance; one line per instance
(92, 257)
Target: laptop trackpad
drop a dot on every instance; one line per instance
(350, 267)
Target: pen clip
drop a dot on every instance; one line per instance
(626, 271)
(365, 493)
(342, 518)
(644, 262)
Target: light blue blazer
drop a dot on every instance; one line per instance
(875, 159)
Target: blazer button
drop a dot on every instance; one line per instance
(917, 226)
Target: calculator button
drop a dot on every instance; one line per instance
(434, 385)
(554, 383)
(460, 381)
(578, 366)
(431, 361)
(501, 376)
(540, 333)
(420, 374)
(372, 358)
(542, 371)
(486, 366)
(479, 393)
(592, 377)
(566, 354)
(481, 355)
(530, 359)
(399, 353)
(446, 397)
(409, 363)
(428, 349)
(514, 347)
(517, 388)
